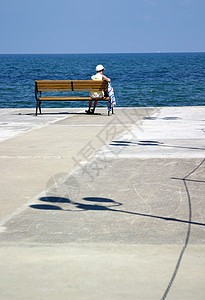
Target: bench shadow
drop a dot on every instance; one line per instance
(150, 143)
(52, 113)
(61, 113)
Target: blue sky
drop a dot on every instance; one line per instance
(91, 26)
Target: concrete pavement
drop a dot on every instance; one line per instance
(98, 207)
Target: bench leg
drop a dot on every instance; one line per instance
(111, 109)
(38, 105)
(36, 108)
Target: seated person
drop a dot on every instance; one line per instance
(97, 94)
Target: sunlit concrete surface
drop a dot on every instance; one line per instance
(103, 207)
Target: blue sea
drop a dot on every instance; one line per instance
(158, 79)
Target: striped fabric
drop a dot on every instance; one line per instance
(111, 94)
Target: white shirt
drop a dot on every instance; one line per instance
(97, 94)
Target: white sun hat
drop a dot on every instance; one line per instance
(99, 68)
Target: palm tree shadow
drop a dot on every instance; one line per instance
(109, 205)
(48, 200)
(150, 143)
(80, 206)
(101, 204)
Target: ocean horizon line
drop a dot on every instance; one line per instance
(107, 53)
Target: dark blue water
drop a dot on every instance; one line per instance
(160, 79)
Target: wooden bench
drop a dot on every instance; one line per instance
(44, 86)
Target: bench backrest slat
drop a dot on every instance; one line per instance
(89, 85)
(51, 85)
(69, 85)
